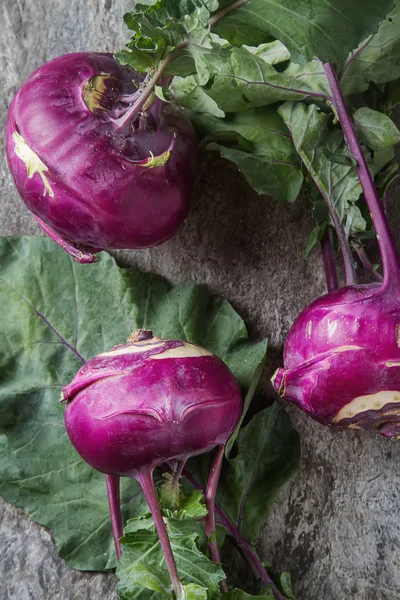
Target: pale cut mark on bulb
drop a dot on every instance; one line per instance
(32, 162)
(368, 402)
(398, 334)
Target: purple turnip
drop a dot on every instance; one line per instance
(148, 402)
(342, 354)
(99, 168)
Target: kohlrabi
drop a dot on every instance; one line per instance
(98, 164)
(342, 355)
(149, 402)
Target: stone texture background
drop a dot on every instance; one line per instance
(336, 525)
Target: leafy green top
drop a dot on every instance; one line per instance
(232, 64)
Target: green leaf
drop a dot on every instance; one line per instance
(176, 504)
(314, 239)
(209, 60)
(49, 326)
(384, 169)
(379, 159)
(393, 95)
(134, 574)
(159, 27)
(193, 591)
(137, 60)
(269, 163)
(308, 29)
(190, 507)
(169, 492)
(144, 575)
(245, 81)
(190, 95)
(386, 177)
(246, 406)
(340, 159)
(338, 184)
(181, 63)
(376, 59)
(164, 93)
(273, 53)
(242, 27)
(375, 129)
(280, 181)
(286, 585)
(142, 563)
(268, 454)
(237, 594)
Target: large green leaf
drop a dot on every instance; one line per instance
(245, 80)
(315, 144)
(54, 315)
(264, 152)
(272, 53)
(268, 452)
(143, 564)
(191, 95)
(376, 59)
(375, 129)
(308, 28)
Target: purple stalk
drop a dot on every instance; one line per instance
(366, 263)
(349, 270)
(145, 91)
(178, 472)
(355, 54)
(329, 262)
(145, 479)
(210, 493)
(78, 253)
(390, 260)
(255, 563)
(114, 501)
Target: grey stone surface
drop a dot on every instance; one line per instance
(336, 525)
(30, 567)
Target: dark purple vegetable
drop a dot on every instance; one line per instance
(342, 355)
(97, 168)
(149, 402)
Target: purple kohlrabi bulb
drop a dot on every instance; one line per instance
(342, 360)
(95, 174)
(148, 402)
